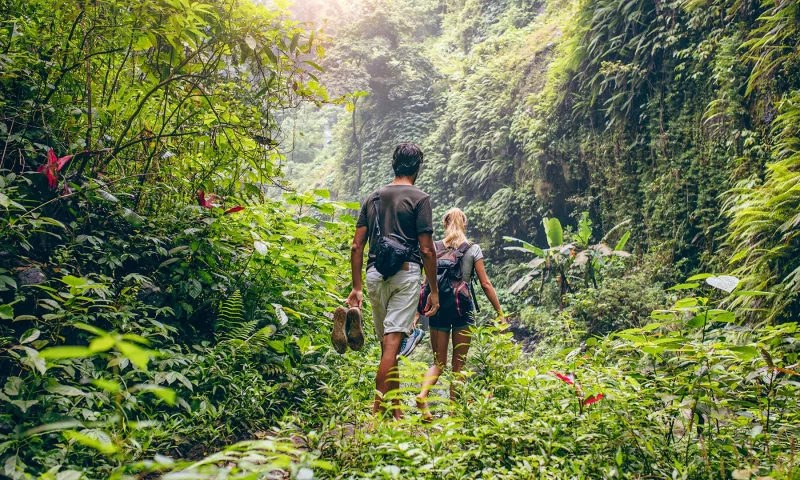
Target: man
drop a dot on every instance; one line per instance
(405, 214)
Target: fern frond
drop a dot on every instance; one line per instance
(260, 339)
(230, 319)
(240, 332)
(273, 369)
(232, 328)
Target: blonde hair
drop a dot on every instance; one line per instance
(455, 228)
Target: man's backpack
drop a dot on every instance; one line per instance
(455, 299)
(391, 253)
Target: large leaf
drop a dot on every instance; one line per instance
(581, 258)
(726, 283)
(622, 241)
(96, 439)
(536, 262)
(554, 232)
(58, 353)
(584, 229)
(525, 246)
(261, 247)
(139, 356)
(520, 284)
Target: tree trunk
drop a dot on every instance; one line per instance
(357, 141)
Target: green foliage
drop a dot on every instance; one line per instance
(230, 322)
(111, 273)
(772, 46)
(164, 295)
(628, 110)
(765, 223)
(122, 360)
(146, 92)
(622, 300)
(686, 394)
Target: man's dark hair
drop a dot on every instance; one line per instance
(406, 159)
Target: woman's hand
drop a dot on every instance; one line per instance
(488, 289)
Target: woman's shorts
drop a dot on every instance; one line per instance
(446, 323)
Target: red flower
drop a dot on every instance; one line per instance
(584, 402)
(210, 202)
(52, 167)
(563, 377)
(206, 202)
(592, 399)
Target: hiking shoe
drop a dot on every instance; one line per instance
(355, 331)
(411, 342)
(338, 336)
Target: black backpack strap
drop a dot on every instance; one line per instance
(460, 251)
(376, 200)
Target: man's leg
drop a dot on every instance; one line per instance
(401, 294)
(388, 377)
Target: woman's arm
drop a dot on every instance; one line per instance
(488, 289)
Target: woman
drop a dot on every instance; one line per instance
(444, 327)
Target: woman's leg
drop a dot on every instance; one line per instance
(439, 341)
(461, 339)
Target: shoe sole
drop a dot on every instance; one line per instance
(338, 337)
(355, 330)
(414, 344)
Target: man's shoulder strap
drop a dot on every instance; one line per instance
(376, 199)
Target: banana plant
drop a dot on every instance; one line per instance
(551, 262)
(557, 260)
(593, 257)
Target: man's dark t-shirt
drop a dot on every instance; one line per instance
(405, 212)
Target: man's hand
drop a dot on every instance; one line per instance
(432, 306)
(356, 298)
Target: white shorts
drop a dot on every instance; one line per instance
(394, 300)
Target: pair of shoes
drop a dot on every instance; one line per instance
(355, 330)
(411, 342)
(347, 329)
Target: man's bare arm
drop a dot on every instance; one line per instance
(428, 252)
(356, 296)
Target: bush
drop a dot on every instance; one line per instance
(162, 334)
(618, 303)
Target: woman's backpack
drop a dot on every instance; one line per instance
(455, 300)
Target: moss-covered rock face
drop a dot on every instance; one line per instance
(630, 110)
